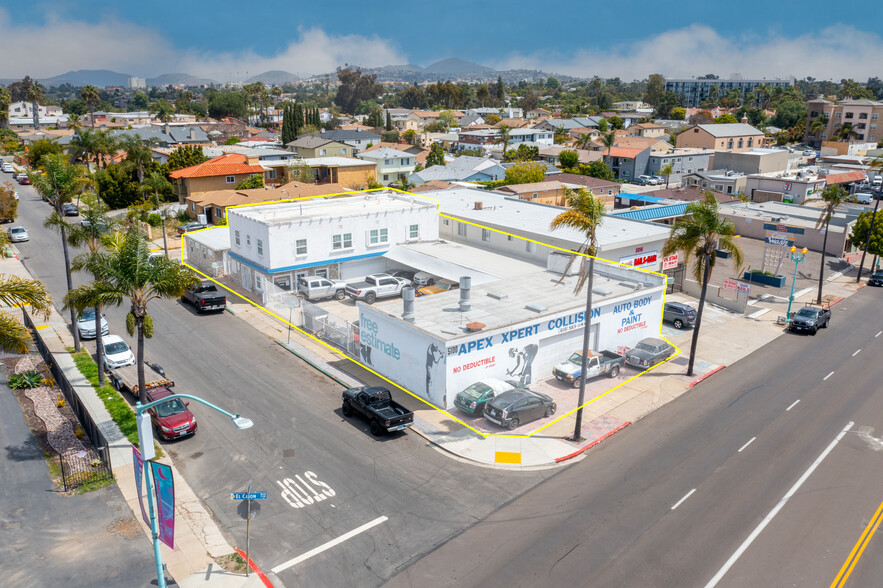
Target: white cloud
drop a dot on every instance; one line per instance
(61, 45)
(838, 51)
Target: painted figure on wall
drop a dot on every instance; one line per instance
(434, 355)
(523, 369)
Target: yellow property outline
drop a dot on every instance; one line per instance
(384, 378)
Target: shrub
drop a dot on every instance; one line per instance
(79, 432)
(154, 220)
(60, 403)
(28, 379)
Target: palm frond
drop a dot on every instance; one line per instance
(14, 336)
(16, 291)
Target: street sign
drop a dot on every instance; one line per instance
(248, 496)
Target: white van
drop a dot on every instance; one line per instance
(863, 197)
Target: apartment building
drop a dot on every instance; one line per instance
(693, 92)
(862, 115)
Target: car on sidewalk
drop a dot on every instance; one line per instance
(18, 234)
(810, 319)
(876, 279)
(678, 314)
(473, 399)
(648, 352)
(86, 324)
(517, 407)
(116, 352)
(171, 419)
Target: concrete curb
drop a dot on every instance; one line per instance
(593, 443)
(256, 569)
(708, 375)
(328, 371)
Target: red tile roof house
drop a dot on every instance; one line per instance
(221, 173)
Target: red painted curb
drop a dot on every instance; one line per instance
(708, 375)
(593, 443)
(257, 570)
(830, 304)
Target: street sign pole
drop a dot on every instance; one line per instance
(290, 307)
(248, 532)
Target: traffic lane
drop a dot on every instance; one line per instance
(608, 508)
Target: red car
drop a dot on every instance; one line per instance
(23, 179)
(170, 419)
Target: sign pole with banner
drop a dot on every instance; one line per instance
(138, 462)
(165, 502)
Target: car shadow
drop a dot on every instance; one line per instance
(362, 425)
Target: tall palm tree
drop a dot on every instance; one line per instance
(89, 94)
(106, 146)
(138, 156)
(58, 183)
(818, 126)
(155, 183)
(697, 234)
(35, 95)
(162, 110)
(16, 291)
(584, 213)
(585, 141)
(124, 272)
(609, 140)
(846, 133)
(85, 145)
(504, 138)
(5, 102)
(832, 197)
(73, 121)
(667, 171)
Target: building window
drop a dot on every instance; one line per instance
(534, 197)
(654, 160)
(625, 173)
(486, 235)
(342, 241)
(343, 150)
(236, 237)
(414, 232)
(271, 174)
(730, 144)
(248, 240)
(385, 177)
(231, 179)
(873, 126)
(192, 207)
(300, 247)
(837, 114)
(863, 115)
(750, 141)
(260, 247)
(508, 237)
(446, 222)
(873, 116)
(689, 159)
(378, 236)
(848, 115)
(322, 151)
(219, 213)
(530, 246)
(461, 229)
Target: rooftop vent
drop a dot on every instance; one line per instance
(473, 327)
(478, 205)
(498, 295)
(535, 307)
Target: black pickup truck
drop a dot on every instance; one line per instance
(205, 296)
(376, 405)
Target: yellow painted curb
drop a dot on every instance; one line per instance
(507, 457)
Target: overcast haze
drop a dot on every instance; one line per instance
(226, 40)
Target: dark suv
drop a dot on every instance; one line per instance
(517, 407)
(680, 315)
(810, 319)
(876, 279)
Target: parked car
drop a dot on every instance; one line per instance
(659, 179)
(863, 197)
(101, 225)
(116, 352)
(442, 285)
(205, 296)
(810, 319)
(18, 234)
(678, 314)
(404, 274)
(23, 179)
(317, 288)
(7, 167)
(597, 364)
(647, 180)
(376, 405)
(376, 286)
(86, 324)
(15, 174)
(191, 227)
(516, 407)
(648, 352)
(472, 399)
(421, 279)
(70, 210)
(876, 279)
(171, 419)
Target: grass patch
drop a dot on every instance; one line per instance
(232, 563)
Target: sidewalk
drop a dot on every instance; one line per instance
(725, 338)
(198, 539)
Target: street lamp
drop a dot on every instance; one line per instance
(145, 441)
(796, 258)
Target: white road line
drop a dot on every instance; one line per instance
(750, 441)
(678, 503)
(793, 404)
(878, 334)
(329, 545)
(828, 376)
(784, 500)
(857, 351)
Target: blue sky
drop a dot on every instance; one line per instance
(629, 39)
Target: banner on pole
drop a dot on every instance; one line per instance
(165, 502)
(139, 473)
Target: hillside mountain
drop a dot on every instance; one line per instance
(99, 78)
(274, 77)
(406, 68)
(179, 78)
(455, 65)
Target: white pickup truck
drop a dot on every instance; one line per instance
(376, 286)
(317, 287)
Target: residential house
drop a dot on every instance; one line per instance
(219, 173)
(756, 161)
(462, 169)
(425, 117)
(417, 151)
(682, 161)
(489, 137)
(471, 120)
(537, 113)
(273, 160)
(651, 130)
(577, 122)
(723, 137)
(718, 180)
(632, 105)
(551, 154)
(606, 190)
(550, 170)
(392, 165)
(864, 116)
(502, 112)
(551, 192)
(358, 139)
(310, 146)
(214, 204)
(627, 163)
(356, 174)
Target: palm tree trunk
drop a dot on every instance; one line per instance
(822, 266)
(577, 429)
(70, 284)
(142, 392)
(99, 351)
(92, 117)
(706, 274)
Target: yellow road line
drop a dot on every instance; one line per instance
(859, 548)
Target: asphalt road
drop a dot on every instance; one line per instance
(670, 502)
(326, 476)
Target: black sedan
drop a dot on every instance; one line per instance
(516, 407)
(876, 279)
(648, 352)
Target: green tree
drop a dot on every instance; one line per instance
(818, 126)
(35, 96)
(584, 213)
(156, 184)
(500, 91)
(118, 186)
(860, 233)
(16, 291)
(832, 197)
(678, 113)
(5, 102)
(162, 110)
(125, 272)
(446, 118)
(525, 173)
(597, 169)
(8, 206)
(698, 234)
(138, 156)
(90, 96)
(846, 132)
(84, 145)
(666, 172)
(410, 137)
(390, 136)
(186, 156)
(655, 88)
(39, 149)
(789, 114)
(388, 126)
(616, 123)
(603, 125)
(375, 119)
(228, 103)
(436, 156)
(568, 158)
(608, 140)
(504, 137)
(726, 119)
(667, 101)
(140, 101)
(354, 88)
(298, 172)
(251, 182)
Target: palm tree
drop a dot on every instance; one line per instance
(35, 95)
(609, 140)
(89, 94)
(155, 183)
(85, 145)
(846, 133)
(667, 171)
(504, 138)
(5, 102)
(16, 291)
(818, 126)
(138, 156)
(699, 233)
(560, 135)
(73, 121)
(124, 272)
(162, 110)
(58, 183)
(106, 145)
(585, 141)
(832, 197)
(584, 213)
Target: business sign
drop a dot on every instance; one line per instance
(138, 462)
(780, 228)
(640, 260)
(779, 234)
(164, 486)
(670, 262)
(737, 286)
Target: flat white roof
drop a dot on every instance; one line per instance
(792, 214)
(455, 260)
(359, 205)
(217, 238)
